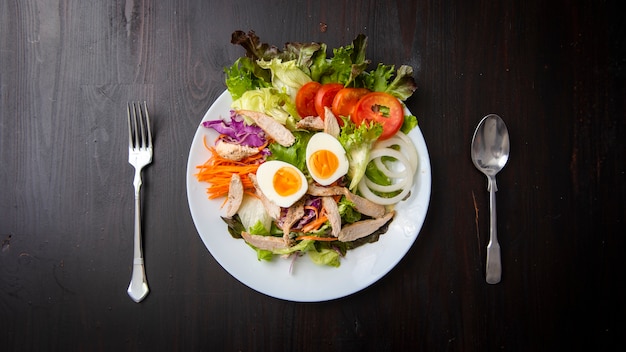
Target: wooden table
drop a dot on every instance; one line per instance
(554, 70)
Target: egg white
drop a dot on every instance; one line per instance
(325, 141)
(265, 177)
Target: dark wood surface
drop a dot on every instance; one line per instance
(554, 70)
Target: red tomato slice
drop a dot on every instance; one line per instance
(382, 108)
(305, 99)
(345, 101)
(325, 96)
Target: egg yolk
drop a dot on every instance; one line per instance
(286, 181)
(323, 163)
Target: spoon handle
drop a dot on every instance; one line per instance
(494, 265)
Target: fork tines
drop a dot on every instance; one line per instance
(139, 134)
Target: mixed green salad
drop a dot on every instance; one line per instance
(287, 195)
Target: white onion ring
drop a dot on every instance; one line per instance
(387, 188)
(406, 146)
(401, 180)
(376, 156)
(410, 148)
(368, 194)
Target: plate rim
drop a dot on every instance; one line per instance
(287, 283)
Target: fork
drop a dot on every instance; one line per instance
(139, 155)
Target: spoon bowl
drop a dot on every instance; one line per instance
(490, 152)
(490, 145)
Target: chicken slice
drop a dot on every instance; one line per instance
(363, 228)
(235, 195)
(311, 123)
(273, 128)
(235, 152)
(332, 213)
(272, 209)
(365, 206)
(269, 243)
(320, 191)
(362, 205)
(294, 213)
(331, 126)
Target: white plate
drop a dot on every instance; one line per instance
(307, 281)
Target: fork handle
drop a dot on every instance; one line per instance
(138, 288)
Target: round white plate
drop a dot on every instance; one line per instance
(307, 282)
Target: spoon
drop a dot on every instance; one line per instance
(490, 152)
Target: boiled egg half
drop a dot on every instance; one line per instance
(325, 158)
(281, 182)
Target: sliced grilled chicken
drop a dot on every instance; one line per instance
(235, 195)
(331, 126)
(363, 228)
(235, 152)
(365, 206)
(311, 123)
(321, 191)
(332, 213)
(294, 213)
(273, 128)
(269, 243)
(361, 204)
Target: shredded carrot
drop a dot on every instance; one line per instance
(315, 224)
(218, 170)
(316, 238)
(312, 208)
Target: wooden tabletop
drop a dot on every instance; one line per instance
(553, 70)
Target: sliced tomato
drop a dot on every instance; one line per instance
(325, 96)
(382, 108)
(305, 99)
(345, 101)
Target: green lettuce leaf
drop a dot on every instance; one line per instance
(346, 64)
(245, 75)
(262, 254)
(357, 141)
(295, 154)
(286, 76)
(410, 122)
(302, 246)
(253, 216)
(325, 256)
(271, 102)
(382, 79)
(304, 54)
(347, 211)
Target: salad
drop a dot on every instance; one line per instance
(314, 154)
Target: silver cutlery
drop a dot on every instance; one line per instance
(139, 155)
(490, 152)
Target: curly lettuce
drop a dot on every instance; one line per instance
(347, 65)
(382, 79)
(271, 102)
(358, 141)
(245, 75)
(285, 76)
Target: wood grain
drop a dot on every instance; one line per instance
(553, 70)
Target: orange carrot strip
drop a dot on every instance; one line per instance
(217, 171)
(204, 142)
(312, 208)
(316, 238)
(315, 224)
